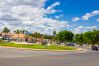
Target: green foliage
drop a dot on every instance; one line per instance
(79, 38)
(64, 36)
(20, 31)
(36, 35)
(89, 37)
(55, 47)
(92, 37)
(17, 31)
(54, 32)
(47, 36)
(38, 46)
(6, 30)
(1, 41)
(44, 36)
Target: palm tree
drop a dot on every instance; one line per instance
(20, 31)
(54, 32)
(23, 31)
(6, 31)
(14, 32)
(17, 31)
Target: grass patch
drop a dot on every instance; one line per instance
(37, 46)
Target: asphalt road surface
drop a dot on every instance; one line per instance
(17, 57)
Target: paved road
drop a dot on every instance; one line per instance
(16, 57)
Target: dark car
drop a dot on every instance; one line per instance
(95, 48)
(70, 44)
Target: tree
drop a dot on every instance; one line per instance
(92, 37)
(54, 32)
(6, 31)
(20, 31)
(23, 31)
(79, 38)
(17, 31)
(36, 35)
(45, 36)
(64, 36)
(88, 37)
(96, 36)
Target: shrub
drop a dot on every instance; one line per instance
(1, 41)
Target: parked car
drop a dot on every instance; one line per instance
(95, 48)
(70, 44)
(6, 39)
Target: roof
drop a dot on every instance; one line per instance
(19, 36)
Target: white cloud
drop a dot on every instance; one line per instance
(53, 5)
(77, 31)
(97, 20)
(81, 29)
(57, 17)
(92, 27)
(51, 10)
(29, 15)
(75, 19)
(89, 15)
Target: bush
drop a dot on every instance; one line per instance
(55, 47)
(1, 41)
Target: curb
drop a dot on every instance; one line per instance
(78, 49)
(81, 49)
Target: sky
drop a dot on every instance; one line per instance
(45, 16)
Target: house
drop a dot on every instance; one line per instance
(42, 40)
(0, 36)
(18, 37)
(23, 38)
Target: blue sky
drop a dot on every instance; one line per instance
(72, 8)
(45, 16)
(77, 8)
